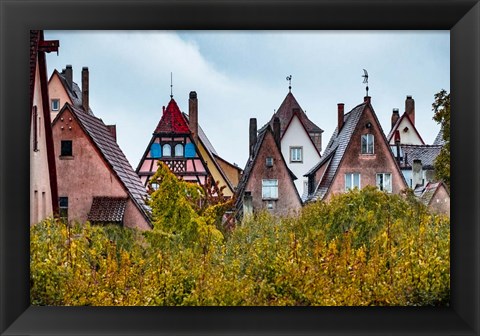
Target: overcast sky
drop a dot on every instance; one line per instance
(239, 75)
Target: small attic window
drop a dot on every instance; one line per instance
(55, 104)
(405, 129)
(269, 161)
(66, 148)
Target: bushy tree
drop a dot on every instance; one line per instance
(441, 108)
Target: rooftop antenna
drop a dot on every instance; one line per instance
(365, 79)
(171, 85)
(289, 79)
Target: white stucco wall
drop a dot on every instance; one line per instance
(296, 136)
(409, 137)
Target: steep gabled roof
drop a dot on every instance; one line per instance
(334, 151)
(439, 141)
(397, 125)
(285, 113)
(426, 193)
(297, 114)
(251, 163)
(172, 120)
(74, 93)
(112, 154)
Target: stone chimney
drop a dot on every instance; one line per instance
(253, 135)
(395, 116)
(276, 131)
(85, 89)
(113, 131)
(69, 76)
(417, 173)
(341, 110)
(410, 108)
(193, 115)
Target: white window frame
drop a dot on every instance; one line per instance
(179, 150)
(352, 181)
(368, 136)
(57, 101)
(169, 151)
(382, 187)
(269, 189)
(296, 154)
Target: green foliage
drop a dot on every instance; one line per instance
(362, 248)
(441, 108)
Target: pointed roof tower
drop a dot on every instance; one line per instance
(172, 120)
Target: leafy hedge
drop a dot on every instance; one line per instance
(362, 248)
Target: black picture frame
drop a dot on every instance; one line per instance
(461, 17)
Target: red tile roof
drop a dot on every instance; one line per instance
(172, 120)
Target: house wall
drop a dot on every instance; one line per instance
(368, 165)
(86, 174)
(232, 172)
(409, 137)
(56, 90)
(40, 192)
(288, 200)
(296, 136)
(217, 176)
(440, 202)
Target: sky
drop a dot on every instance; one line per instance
(240, 75)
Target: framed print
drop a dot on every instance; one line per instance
(461, 18)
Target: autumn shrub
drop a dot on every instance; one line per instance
(361, 248)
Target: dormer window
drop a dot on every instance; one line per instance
(367, 143)
(167, 150)
(179, 150)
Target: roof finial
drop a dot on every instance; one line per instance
(289, 79)
(171, 85)
(365, 79)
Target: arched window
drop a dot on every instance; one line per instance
(167, 150)
(179, 150)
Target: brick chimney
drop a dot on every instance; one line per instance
(410, 108)
(69, 76)
(417, 173)
(113, 131)
(395, 116)
(85, 89)
(341, 110)
(367, 99)
(253, 135)
(276, 131)
(193, 115)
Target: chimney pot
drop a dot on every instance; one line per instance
(85, 89)
(253, 135)
(193, 115)
(341, 110)
(410, 108)
(68, 71)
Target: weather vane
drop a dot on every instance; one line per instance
(289, 79)
(365, 79)
(171, 85)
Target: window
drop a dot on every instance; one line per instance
(296, 154)
(154, 185)
(367, 144)
(66, 148)
(63, 208)
(352, 180)
(269, 189)
(167, 150)
(384, 182)
(179, 150)
(269, 162)
(55, 104)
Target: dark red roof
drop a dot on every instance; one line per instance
(107, 209)
(172, 120)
